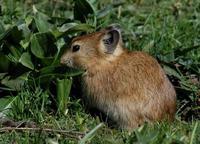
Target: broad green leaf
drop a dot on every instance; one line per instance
(26, 34)
(17, 83)
(2, 29)
(12, 34)
(67, 26)
(41, 26)
(26, 60)
(41, 21)
(2, 75)
(104, 12)
(61, 20)
(25, 43)
(70, 72)
(47, 70)
(47, 61)
(36, 49)
(72, 28)
(25, 30)
(82, 10)
(12, 58)
(60, 43)
(28, 20)
(4, 63)
(15, 36)
(63, 91)
(4, 34)
(43, 45)
(14, 53)
(56, 70)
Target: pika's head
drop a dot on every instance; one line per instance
(93, 49)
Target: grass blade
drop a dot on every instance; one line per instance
(89, 135)
(193, 133)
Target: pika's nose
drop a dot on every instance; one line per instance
(62, 60)
(66, 61)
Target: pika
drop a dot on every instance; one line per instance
(129, 87)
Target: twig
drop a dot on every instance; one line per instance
(69, 133)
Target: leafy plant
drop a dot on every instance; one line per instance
(31, 48)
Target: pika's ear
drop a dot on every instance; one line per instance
(111, 39)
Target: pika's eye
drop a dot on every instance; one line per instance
(75, 48)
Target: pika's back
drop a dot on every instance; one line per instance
(132, 90)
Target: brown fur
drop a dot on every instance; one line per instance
(130, 87)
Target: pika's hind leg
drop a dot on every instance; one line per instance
(129, 116)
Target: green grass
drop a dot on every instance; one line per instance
(34, 84)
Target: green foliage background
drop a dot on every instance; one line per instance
(35, 87)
